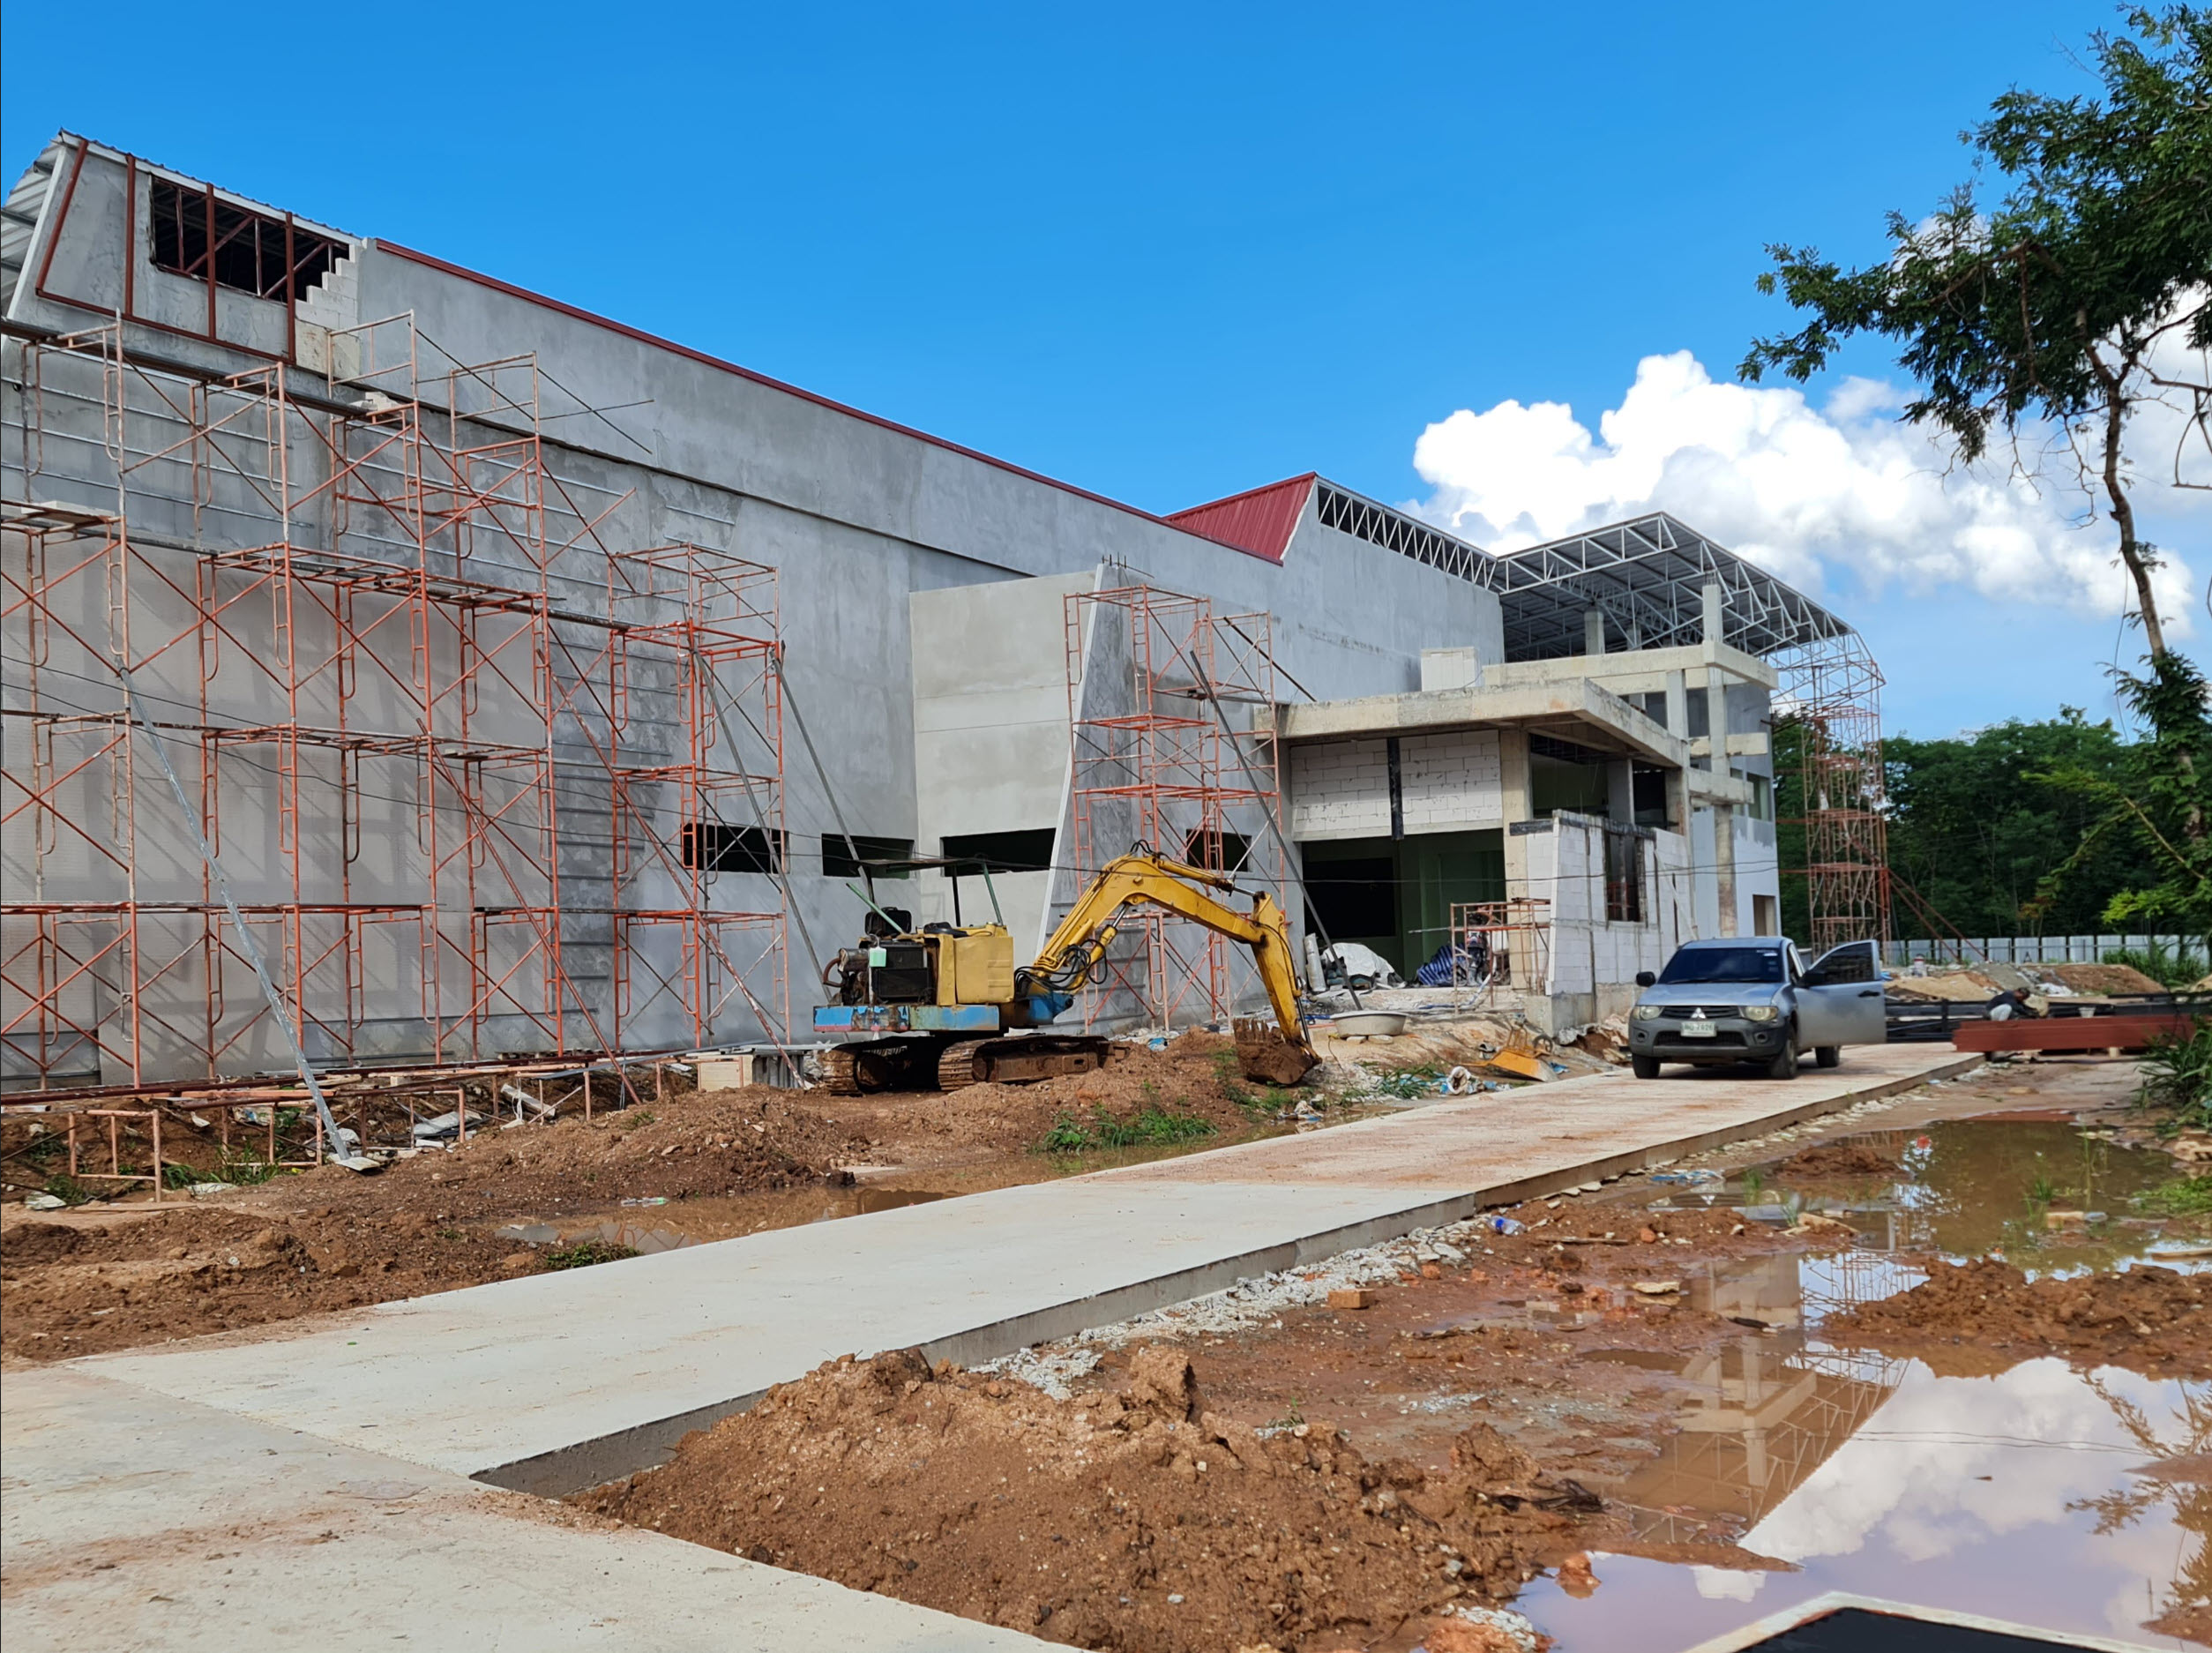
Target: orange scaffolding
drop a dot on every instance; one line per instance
(1162, 697)
(452, 734)
(1832, 691)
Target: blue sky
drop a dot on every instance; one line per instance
(1165, 252)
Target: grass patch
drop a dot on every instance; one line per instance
(2184, 1196)
(1151, 1126)
(587, 1252)
(2178, 1075)
(65, 1188)
(1408, 1085)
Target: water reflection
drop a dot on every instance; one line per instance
(696, 1222)
(1964, 1187)
(2076, 1502)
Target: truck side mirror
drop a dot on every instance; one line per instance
(1645, 978)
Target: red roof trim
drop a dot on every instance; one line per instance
(1258, 522)
(701, 357)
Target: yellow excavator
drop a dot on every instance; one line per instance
(944, 1005)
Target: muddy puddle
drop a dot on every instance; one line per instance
(646, 1226)
(2074, 1501)
(2040, 1192)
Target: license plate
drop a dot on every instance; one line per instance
(1699, 1031)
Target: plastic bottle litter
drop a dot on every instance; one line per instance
(1503, 1224)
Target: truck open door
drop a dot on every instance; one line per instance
(1840, 1001)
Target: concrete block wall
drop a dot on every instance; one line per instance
(1446, 782)
(1449, 783)
(1339, 788)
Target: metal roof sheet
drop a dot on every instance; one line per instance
(1260, 520)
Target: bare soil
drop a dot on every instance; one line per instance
(2148, 1318)
(116, 1274)
(78, 1287)
(1825, 1161)
(1139, 1519)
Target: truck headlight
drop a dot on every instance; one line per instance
(1758, 1012)
(1645, 1013)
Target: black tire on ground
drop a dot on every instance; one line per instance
(1828, 1055)
(1644, 1066)
(1785, 1063)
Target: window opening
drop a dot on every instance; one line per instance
(1028, 851)
(886, 857)
(713, 846)
(249, 247)
(1623, 878)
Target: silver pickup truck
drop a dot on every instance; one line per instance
(1751, 998)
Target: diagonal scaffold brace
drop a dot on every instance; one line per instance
(336, 1151)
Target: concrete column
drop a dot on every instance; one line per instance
(1724, 864)
(1512, 795)
(1716, 603)
(1620, 792)
(1677, 707)
(1716, 719)
(1593, 632)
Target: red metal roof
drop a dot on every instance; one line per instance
(1258, 522)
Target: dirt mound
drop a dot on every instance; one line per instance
(2148, 1318)
(75, 1288)
(1839, 1159)
(1137, 1520)
(2101, 978)
(717, 1143)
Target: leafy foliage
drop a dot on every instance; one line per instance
(2052, 304)
(2177, 1075)
(2168, 966)
(1976, 825)
(2158, 805)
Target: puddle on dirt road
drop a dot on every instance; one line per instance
(2078, 1502)
(660, 1228)
(1962, 1188)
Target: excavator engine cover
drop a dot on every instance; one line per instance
(1264, 1054)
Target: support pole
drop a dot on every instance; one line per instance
(246, 943)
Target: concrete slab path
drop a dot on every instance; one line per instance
(154, 1459)
(555, 1381)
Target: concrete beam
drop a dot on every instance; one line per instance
(1574, 708)
(1641, 671)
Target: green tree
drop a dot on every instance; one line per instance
(1976, 824)
(2157, 808)
(2050, 309)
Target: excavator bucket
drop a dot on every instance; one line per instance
(1263, 1053)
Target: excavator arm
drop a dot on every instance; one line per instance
(1147, 879)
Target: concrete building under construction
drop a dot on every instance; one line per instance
(499, 681)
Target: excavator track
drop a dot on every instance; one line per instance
(1021, 1061)
(856, 1070)
(956, 1065)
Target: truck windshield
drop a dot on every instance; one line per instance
(1723, 964)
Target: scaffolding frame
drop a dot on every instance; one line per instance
(1832, 689)
(1166, 751)
(416, 669)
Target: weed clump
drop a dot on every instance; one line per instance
(1151, 1126)
(585, 1253)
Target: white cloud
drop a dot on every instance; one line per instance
(1836, 494)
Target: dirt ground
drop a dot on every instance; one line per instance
(112, 1274)
(1504, 1411)
(1136, 1519)
(2148, 1318)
